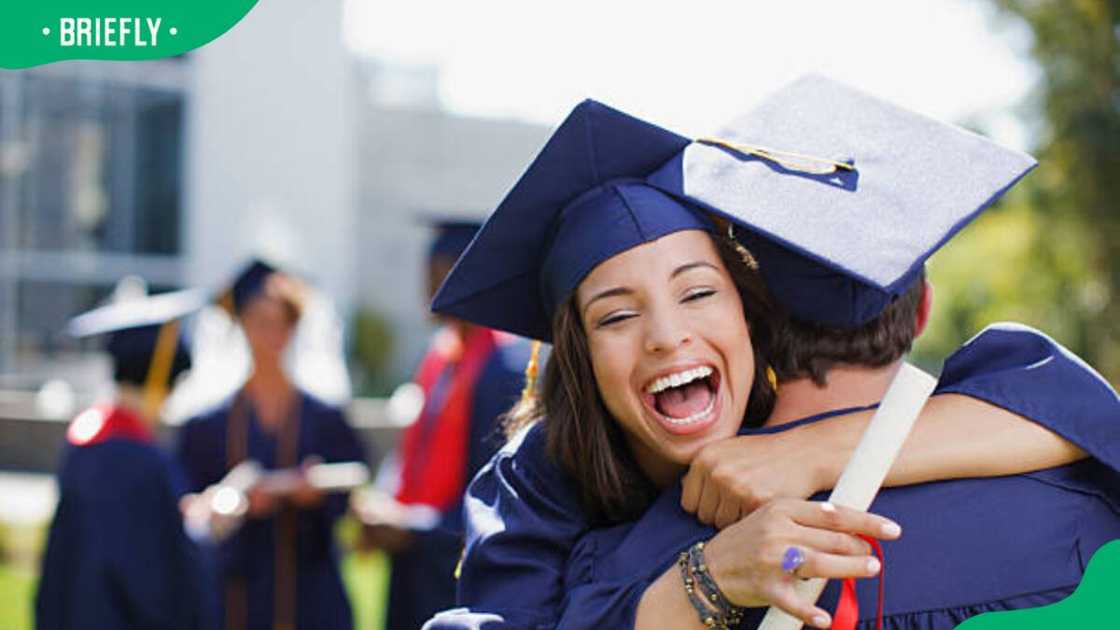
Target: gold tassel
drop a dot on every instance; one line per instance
(459, 565)
(531, 373)
(155, 384)
(786, 159)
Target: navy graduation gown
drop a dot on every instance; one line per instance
(422, 581)
(249, 556)
(117, 557)
(522, 515)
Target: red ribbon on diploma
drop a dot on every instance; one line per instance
(847, 610)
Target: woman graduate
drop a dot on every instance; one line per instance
(117, 556)
(280, 570)
(578, 213)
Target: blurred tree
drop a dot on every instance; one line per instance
(1049, 255)
(371, 346)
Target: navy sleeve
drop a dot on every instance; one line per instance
(337, 442)
(523, 517)
(603, 605)
(1024, 371)
(498, 388)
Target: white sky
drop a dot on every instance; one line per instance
(693, 65)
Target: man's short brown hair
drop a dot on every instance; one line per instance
(804, 349)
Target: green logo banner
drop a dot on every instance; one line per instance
(34, 32)
(1092, 605)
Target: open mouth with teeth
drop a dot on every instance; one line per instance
(686, 401)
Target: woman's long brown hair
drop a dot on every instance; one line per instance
(582, 436)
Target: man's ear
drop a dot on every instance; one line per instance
(925, 306)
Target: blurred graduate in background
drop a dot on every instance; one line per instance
(281, 569)
(470, 376)
(117, 555)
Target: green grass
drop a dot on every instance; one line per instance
(367, 582)
(366, 576)
(17, 590)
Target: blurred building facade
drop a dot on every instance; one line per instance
(273, 140)
(91, 188)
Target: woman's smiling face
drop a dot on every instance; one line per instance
(670, 347)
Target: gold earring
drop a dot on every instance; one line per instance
(772, 376)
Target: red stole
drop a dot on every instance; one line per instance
(105, 422)
(847, 609)
(434, 448)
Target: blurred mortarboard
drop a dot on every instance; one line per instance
(143, 335)
(580, 202)
(451, 235)
(247, 284)
(843, 196)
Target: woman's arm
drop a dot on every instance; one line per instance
(1009, 401)
(961, 436)
(956, 436)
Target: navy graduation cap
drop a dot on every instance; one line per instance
(843, 196)
(452, 235)
(247, 284)
(581, 201)
(143, 335)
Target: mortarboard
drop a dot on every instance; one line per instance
(843, 196)
(247, 284)
(580, 202)
(452, 236)
(143, 335)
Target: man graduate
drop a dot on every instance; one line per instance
(470, 376)
(117, 557)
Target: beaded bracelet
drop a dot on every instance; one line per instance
(715, 610)
(707, 585)
(707, 615)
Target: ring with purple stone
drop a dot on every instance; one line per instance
(792, 560)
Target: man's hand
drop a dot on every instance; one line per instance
(383, 521)
(731, 478)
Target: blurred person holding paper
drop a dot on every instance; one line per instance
(280, 569)
(469, 377)
(117, 556)
(531, 505)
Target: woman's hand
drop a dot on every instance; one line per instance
(731, 478)
(263, 503)
(303, 495)
(745, 559)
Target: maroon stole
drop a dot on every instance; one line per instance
(286, 520)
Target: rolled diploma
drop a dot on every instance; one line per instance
(865, 472)
(232, 491)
